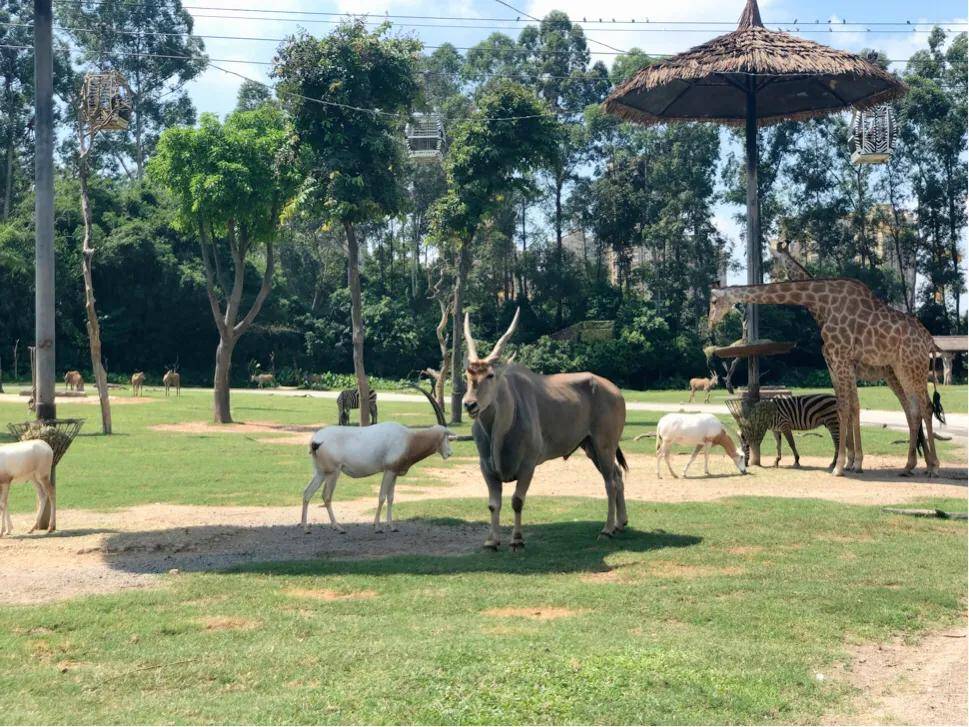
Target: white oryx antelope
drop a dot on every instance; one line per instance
(31, 460)
(701, 431)
(704, 385)
(390, 448)
(522, 419)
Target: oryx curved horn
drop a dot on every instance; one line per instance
(469, 339)
(496, 351)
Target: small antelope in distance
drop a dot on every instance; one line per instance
(137, 383)
(172, 379)
(73, 381)
(261, 380)
(705, 385)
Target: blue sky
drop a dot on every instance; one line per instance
(216, 90)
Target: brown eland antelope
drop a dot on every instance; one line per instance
(137, 382)
(73, 381)
(704, 385)
(522, 419)
(172, 379)
(261, 380)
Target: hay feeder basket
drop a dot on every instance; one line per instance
(105, 102)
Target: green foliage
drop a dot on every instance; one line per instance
(230, 174)
(489, 158)
(354, 157)
(153, 47)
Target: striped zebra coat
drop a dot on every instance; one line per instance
(801, 414)
(350, 399)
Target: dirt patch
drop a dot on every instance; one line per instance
(228, 623)
(103, 552)
(253, 427)
(899, 683)
(745, 550)
(535, 613)
(324, 594)
(89, 400)
(666, 569)
(576, 477)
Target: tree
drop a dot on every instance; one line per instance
(231, 189)
(252, 95)
(152, 46)
(558, 67)
(509, 134)
(933, 134)
(351, 144)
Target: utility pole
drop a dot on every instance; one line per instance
(44, 207)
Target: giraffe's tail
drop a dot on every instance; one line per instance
(937, 409)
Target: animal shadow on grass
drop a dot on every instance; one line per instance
(422, 546)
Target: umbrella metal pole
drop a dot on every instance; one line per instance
(755, 274)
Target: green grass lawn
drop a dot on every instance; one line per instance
(713, 613)
(720, 612)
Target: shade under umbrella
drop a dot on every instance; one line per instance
(752, 76)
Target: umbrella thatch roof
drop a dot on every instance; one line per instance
(795, 79)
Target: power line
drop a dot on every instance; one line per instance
(267, 39)
(269, 63)
(529, 18)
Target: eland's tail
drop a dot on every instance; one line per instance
(621, 459)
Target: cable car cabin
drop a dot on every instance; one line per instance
(425, 137)
(872, 135)
(106, 102)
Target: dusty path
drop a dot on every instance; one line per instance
(899, 683)
(99, 552)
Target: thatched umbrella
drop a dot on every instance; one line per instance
(752, 76)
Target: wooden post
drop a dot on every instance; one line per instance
(755, 275)
(44, 209)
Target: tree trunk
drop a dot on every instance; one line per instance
(441, 331)
(93, 326)
(11, 118)
(356, 318)
(457, 336)
(222, 413)
(559, 278)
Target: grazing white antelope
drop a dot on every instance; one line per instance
(73, 381)
(31, 460)
(700, 430)
(137, 383)
(390, 448)
(704, 385)
(172, 379)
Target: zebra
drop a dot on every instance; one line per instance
(350, 399)
(800, 414)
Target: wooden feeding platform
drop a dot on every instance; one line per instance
(740, 349)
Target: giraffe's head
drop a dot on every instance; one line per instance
(720, 305)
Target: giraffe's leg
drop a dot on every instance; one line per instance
(858, 455)
(921, 406)
(844, 385)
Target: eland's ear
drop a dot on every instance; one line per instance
(511, 359)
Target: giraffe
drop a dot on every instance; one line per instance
(860, 334)
(793, 270)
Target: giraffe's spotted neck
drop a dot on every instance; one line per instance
(818, 296)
